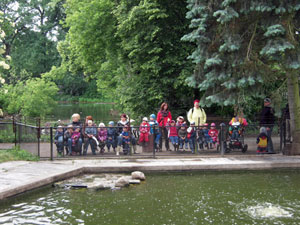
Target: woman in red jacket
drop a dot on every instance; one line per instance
(163, 117)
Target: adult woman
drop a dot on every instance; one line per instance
(75, 123)
(121, 124)
(163, 117)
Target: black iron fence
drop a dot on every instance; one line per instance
(41, 141)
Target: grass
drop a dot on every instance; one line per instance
(16, 154)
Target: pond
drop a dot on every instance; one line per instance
(256, 197)
(100, 112)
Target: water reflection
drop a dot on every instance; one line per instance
(196, 198)
(100, 112)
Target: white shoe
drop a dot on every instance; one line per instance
(117, 153)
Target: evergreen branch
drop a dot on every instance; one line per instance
(250, 42)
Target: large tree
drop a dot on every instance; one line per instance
(241, 47)
(32, 41)
(133, 48)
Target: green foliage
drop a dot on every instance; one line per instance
(16, 154)
(34, 98)
(237, 47)
(133, 49)
(31, 41)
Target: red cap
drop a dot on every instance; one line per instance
(196, 101)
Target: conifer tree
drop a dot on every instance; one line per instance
(243, 45)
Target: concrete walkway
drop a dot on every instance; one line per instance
(20, 176)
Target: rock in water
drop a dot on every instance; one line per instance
(138, 175)
(122, 182)
(135, 181)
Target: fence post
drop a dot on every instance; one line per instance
(196, 140)
(130, 135)
(222, 137)
(153, 140)
(39, 135)
(51, 143)
(15, 130)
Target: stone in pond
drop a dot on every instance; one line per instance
(122, 182)
(138, 175)
(134, 181)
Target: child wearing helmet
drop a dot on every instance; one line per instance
(182, 136)
(154, 130)
(213, 133)
(207, 138)
(144, 131)
(90, 133)
(102, 136)
(125, 140)
(111, 136)
(191, 136)
(59, 140)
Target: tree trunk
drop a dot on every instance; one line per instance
(294, 108)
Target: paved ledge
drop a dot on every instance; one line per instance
(19, 176)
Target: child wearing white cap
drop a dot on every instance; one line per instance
(144, 131)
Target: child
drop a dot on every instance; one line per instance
(154, 129)
(201, 138)
(90, 133)
(144, 131)
(182, 136)
(207, 138)
(180, 121)
(262, 141)
(191, 136)
(125, 140)
(235, 129)
(75, 138)
(68, 139)
(59, 140)
(102, 136)
(213, 133)
(172, 134)
(111, 136)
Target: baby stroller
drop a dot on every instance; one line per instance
(236, 138)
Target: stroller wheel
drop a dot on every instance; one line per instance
(227, 150)
(245, 148)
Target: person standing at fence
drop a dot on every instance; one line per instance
(59, 140)
(91, 134)
(197, 114)
(267, 119)
(76, 123)
(68, 138)
(144, 132)
(163, 117)
(125, 122)
(155, 131)
(111, 136)
(85, 125)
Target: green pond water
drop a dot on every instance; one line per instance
(100, 112)
(263, 197)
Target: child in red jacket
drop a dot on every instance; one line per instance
(144, 131)
(213, 133)
(173, 134)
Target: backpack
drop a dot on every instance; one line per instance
(263, 142)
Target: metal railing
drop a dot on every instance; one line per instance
(40, 141)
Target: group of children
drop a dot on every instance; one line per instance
(179, 133)
(182, 135)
